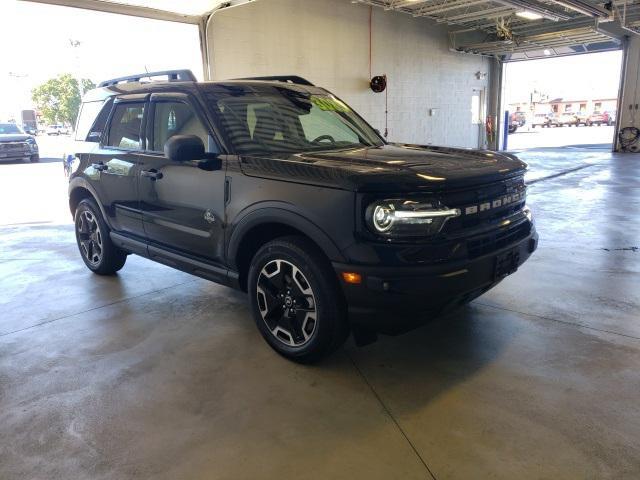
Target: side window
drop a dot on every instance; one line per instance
(88, 112)
(92, 119)
(126, 123)
(176, 118)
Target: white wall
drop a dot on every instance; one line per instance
(327, 42)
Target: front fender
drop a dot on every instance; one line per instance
(283, 214)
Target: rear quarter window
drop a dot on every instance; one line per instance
(92, 118)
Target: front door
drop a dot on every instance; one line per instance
(114, 167)
(182, 203)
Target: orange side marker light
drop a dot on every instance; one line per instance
(352, 278)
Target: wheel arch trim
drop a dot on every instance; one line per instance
(82, 183)
(284, 216)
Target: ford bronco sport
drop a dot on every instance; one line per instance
(276, 187)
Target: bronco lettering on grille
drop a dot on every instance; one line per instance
(498, 202)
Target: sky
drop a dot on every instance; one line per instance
(36, 47)
(580, 77)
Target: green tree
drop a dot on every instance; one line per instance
(59, 98)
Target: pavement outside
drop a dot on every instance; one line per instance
(156, 374)
(527, 137)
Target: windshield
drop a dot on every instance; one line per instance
(269, 119)
(7, 128)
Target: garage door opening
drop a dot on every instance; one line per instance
(61, 51)
(562, 102)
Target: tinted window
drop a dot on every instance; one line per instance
(279, 119)
(125, 126)
(176, 118)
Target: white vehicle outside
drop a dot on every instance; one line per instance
(57, 129)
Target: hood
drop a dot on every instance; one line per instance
(388, 168)
(14, 137)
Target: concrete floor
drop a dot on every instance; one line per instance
(156, 374)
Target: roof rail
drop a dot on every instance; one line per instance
(283, 78)
(173, 76)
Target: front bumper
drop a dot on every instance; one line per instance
(395, 299)
(16, 158)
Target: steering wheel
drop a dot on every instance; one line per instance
(324, 137)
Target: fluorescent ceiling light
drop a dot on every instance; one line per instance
(521, 5)
(529, 15)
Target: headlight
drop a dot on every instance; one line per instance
(408, 218)
(31, 141)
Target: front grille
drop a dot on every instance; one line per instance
(14, 148)
(497, 240)
(476, 198)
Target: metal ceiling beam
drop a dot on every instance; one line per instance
(124, 9)
(447, 6)
(479, 14)
(584, 7)
(524, 5)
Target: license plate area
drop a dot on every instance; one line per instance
(506, 264)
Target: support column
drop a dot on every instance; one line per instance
(629, 96)
(493, 101)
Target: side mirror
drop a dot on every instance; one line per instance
(183, 148)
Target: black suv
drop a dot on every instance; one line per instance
(276, 187)
(17, 145)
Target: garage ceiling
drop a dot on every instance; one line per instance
(185, 11)
(190, 7)
(524, 29)
(509, 29)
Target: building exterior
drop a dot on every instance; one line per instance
(588, 106)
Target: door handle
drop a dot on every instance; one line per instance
(153, 174)
(101, 167)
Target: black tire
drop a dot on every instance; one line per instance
(97, 250)
(284, 274)
(35, 158)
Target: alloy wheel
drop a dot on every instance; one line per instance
(89, 237)
(286, 302)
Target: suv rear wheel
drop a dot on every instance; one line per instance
(99, 253)
(296, 300)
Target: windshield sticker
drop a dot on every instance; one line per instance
(329, 104)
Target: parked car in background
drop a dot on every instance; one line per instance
(518, 118)
(17, 145)
(57, 129)
(582, 118)
(568, 119)
(600, 118)
(53, 130)
(540, 120)
(554, 120)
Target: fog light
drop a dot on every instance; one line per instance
(352, 278)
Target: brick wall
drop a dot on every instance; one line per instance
(327, 41)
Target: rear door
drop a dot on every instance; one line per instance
(115, 165)
(182, 203)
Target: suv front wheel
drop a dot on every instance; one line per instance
(99, 253)
(296, 300)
